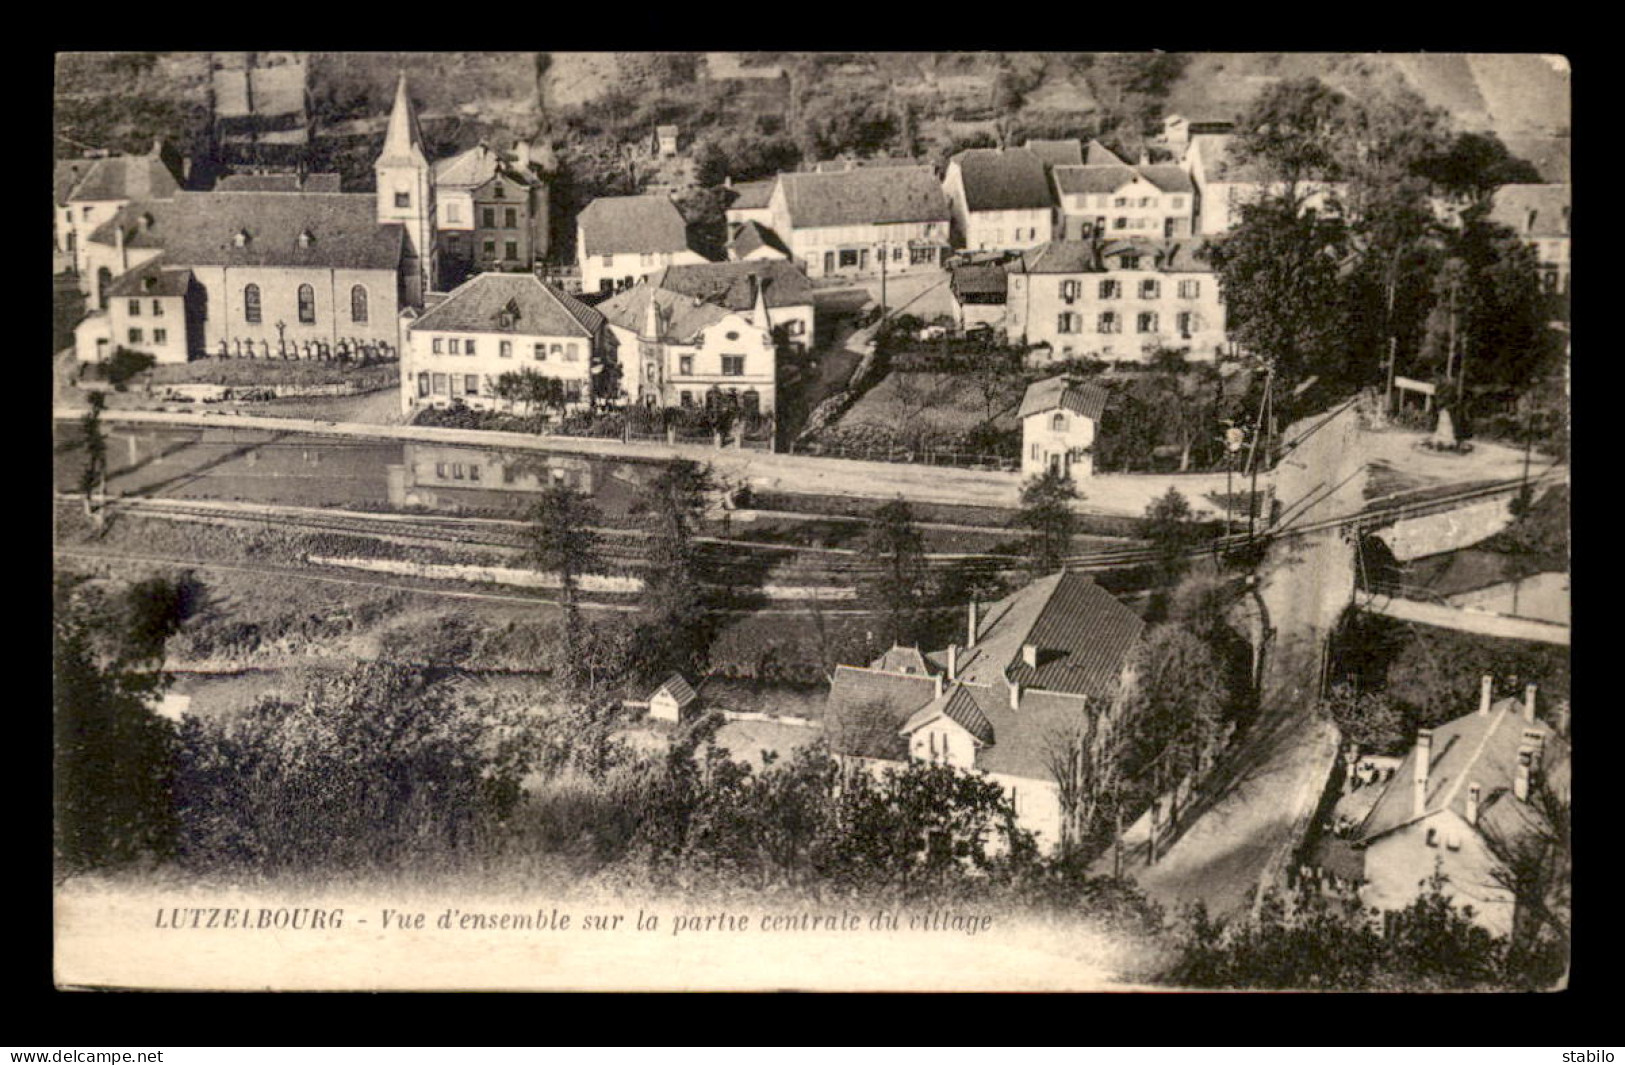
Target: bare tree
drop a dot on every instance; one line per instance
(1533, 864)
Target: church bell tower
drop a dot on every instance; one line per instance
(406, 193)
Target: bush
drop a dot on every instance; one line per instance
(125, 364)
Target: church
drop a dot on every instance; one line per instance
(268, 269)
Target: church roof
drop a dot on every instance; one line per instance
(542, 310)
(201, 228)
(403, 140)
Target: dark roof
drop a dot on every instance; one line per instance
(1013, 180)
(164, 280)
(1088, 180)
(752, 236)
(1083, 634)
(199, 229)
(728, 284)
(752, 195)
(613, 225)
(864, 196)
(678, 689)
(1017, 742)
(278, 183)
(904, 660)
(1087, 257)
(853, 688)
(1082, 398)
(1058, 152)
(958, 704)
(1477, 749)
(681, 317)
(67, 174)
(127, 177)
(983, 280)
(1546, 206)
(477, 305)
(1098, 154)
(1167, 177)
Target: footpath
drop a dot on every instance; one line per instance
(1122, 494)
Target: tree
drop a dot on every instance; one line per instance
(900, 582)
(1533, 864)
(1169, 525)
(866, 730)
(561, 539)
(93, 477)
(1046, 509)
(1473, 165)
(113, 755)
(672, 632)
(1369, 719)
(1293, 131)
(1176, 702)
(1087, 757)
(125, 364)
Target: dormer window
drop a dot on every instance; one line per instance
(499, 192)
(241, 238)
(306, 238)
(149, 283)
(145, 221)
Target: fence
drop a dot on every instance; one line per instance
(916, 456)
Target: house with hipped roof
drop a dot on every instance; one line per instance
(1001, 199)
(620, 239)
(1059, 417)
(1467, 794)
(490, 211)
(1115, 300)
(273, 273)
(704, 335)
(858, 222)
(1112, 200)
(493, 324)
(1033, 667)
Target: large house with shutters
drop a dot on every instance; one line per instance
(1116, 300)
(490, 212)
(1001, 200)
(278, 272)
(1034, 665)
(494, 324)
(1114, 200)
(858, 222)
(622, 239)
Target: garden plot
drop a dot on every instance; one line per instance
(941, 404)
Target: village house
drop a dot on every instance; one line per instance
(491, 212)
(1058, 421)
(753, 242)
(665, 141)
(1118, 300)
(1113, 200)
(706, 339)
(494, 324)
(1224, 184)
(1466, 790)
(149, 310)
(750, 201)
(107, 186)
(1000, 199)
(620, 239)
(675, 700)
(1539, 215)
(1033, 665)
(979, 293)
(843, 223)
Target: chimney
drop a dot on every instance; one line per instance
(1015, 696)
(1424, 756)
(1473, 794)
(938, 679)
(157, 147)
(1029, 655)
(1486, 689)
(1529, 703)
(953, 662)
(521, 152)
(970, 640)
(1520, 779)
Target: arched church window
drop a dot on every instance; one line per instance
(307, 304)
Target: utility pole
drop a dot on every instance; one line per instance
(883, 280)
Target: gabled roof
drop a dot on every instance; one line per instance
(958, 705)
(126, 177)
(981, 280)
(752, 195)
(1057, 152)
(904, 660)
(475, 167)
(199, 229)
(1475, 748)
(678, 688)
(1013, 180)
(855, 688)
(682, 317)
(1083, 634)
(477, 305)
(615, 225)
(865, 196)
(751, 236)
(151, 278)
(1097, 154)
(1093, 179)
(1546, 206)
(1167, 177)
(278, 183)
(729, 284)
(1059, 393)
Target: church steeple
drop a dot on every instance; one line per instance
(406, 192)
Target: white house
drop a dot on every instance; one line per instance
(620, 239)
(1113, 201)
(1118, 300)
(1001, 200)
(674, 700)
(105, 188)
(856, 222)
(494, 324)
(1058, 422)
(1224, 184)
(1032, 667)
(750, 201)
(1539, 215)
